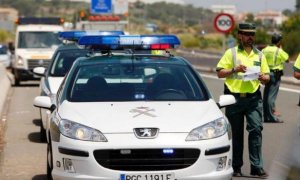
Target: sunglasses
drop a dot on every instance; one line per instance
(247, 33)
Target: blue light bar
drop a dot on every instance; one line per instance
(144, 42)
(75, 35)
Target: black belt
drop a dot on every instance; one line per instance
(275, 70)
(246, 95)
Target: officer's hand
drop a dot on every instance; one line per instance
(264, 78)
(240, 68)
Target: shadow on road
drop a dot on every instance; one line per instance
(37, 122)
(39, 177)
(35, 137)
(26, 85)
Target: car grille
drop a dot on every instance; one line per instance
(146, 159)
(32, 63)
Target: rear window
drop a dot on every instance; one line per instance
(134, 82)
(64, 61)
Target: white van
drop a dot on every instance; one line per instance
(36, 41)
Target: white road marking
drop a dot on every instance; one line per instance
(280, 88)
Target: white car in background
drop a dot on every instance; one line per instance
(5, 56)
(136, 117)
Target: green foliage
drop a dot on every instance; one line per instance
(188, 40)
(291, 31)
(5, 36)
(291, 42)
(262, 37)
(192, 41)
(169, 13)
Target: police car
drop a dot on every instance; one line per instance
(61, 62)
(136, 116)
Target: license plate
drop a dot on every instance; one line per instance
(156, 176)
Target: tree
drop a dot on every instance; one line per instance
(291, 31)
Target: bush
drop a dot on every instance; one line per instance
(291, 42)
(188, 40)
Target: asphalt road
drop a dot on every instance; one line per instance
(24, 156)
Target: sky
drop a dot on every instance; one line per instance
(241, 5)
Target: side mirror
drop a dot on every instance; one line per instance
(44, 102)
(40, 71)
(226, 100)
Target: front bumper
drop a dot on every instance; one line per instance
(86, 166)
(25, 75)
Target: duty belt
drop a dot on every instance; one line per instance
(246, 95)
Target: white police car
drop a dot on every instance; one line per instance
(60, 64)
(136, 117)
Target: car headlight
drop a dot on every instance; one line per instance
(78, 131)
(20, 61)
(210, 130)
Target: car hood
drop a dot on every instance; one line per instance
(123, 117)
(54, 83)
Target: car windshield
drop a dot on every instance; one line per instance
(3, 49)
(38, 40)
(64, 60)
(135, 82)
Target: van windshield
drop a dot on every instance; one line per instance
(38, 40)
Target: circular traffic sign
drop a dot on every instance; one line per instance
(224, 23)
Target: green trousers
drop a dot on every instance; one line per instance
(251, 109)
(270, 95)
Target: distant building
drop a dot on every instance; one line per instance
(8, 17)
(229, 9)
(271, 18)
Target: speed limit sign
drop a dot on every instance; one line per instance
(224, 22)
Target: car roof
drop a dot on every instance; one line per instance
(137, 58)
(68, 46)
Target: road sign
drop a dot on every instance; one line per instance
(224, 23)
(120, 6)
(101, 7)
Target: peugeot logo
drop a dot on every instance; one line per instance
(146, 133)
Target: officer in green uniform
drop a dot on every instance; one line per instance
(297, 71)
(244, 68)
(276, 57)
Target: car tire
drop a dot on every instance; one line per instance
(17, 79)
(43, 137)
(49, 161)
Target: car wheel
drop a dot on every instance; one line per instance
(42, 133)
(17, 79)
(49, 161)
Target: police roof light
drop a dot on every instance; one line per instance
(75, 35)
(143, 42)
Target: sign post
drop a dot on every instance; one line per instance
(101, 7)
(224, 23)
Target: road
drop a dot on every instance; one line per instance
(24, 156)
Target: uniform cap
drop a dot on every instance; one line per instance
(247, 27)
(276, 37)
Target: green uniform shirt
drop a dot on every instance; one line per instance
(242, 57)
(273, 62)
(297, 64)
